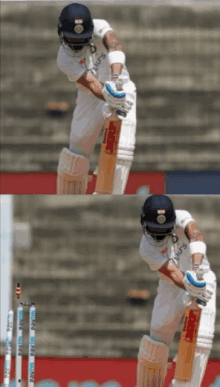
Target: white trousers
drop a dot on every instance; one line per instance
(169, 309)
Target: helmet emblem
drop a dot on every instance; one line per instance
(161, 211)
(161, 219)
(78, 28)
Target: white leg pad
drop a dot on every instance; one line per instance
(203, 349)
(72, 173)
(152, 363)
(124, 156)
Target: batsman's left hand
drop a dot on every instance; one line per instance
(112, 95)
(197, 288)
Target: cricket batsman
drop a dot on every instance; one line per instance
(91, 55)
(173, 245)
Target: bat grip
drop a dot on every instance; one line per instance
(200, 278)
(200, 302)
(119, 84)
(119, 87)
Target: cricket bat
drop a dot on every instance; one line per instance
(188, 340)
(108, 153)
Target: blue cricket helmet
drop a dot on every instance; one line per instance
(158, 215)
(75, 25)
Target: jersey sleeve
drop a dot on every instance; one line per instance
(100, 28)
(152, 256)
(183, 218)
(69, 65)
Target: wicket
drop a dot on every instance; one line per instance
(19, 345)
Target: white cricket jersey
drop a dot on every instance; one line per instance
(157, 253)
(75, 65)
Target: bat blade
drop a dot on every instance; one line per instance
(187, 345)
(109, 149)
(108, 156)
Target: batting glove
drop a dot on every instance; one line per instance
(115, 98)
(197, 288)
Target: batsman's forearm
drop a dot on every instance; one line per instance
(195, 235)
(171, 270)
(176, 275)
(96, 88)
(116, 68)
(197, 259)
(178, 279)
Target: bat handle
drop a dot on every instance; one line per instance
(199, 274)
(200, 302)
(200, 277)
(119, 87)
(120, 113)
(119, 84)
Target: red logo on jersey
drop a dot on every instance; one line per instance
(82, 61)
(164, 251)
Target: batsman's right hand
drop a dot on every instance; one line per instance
(197, 288)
